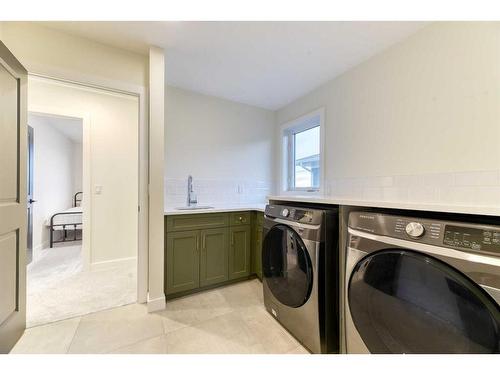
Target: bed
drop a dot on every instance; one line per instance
(68, 222)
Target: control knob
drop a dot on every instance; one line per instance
(285, 212)
(415, 230)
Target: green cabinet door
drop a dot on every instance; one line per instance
(240, 251)
(214, 253)
(182, 261)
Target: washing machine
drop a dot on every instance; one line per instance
(420, 285)
(300, 273)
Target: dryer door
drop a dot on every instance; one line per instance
(286, 266)
(404, 301)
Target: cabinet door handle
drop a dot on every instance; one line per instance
(197, 243)
(203, 242)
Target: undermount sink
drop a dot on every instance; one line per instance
(194, 208)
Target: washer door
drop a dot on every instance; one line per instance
(286, 266)
(407, 302)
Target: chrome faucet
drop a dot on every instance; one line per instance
(191, 196)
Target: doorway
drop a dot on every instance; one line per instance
(85, 258)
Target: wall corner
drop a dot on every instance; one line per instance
(156, 296)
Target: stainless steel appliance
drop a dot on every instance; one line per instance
(300, 273)
(420, 285)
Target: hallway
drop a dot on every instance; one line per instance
(59, 288)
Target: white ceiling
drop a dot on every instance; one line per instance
(266, 64)
(70, 127)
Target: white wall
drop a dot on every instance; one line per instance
(418, 122)
(53, 176)
(223, 144)
(56, 54)
(156, 296)
(77, 162)
(110, 142)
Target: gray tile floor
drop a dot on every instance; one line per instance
(231, 319)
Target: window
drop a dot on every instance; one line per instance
(302, 153)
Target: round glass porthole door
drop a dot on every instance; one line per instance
(286, 266)
(407, 302)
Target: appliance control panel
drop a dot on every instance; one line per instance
(478, 239)
(456, 235)
(296, 214)
(415, 228)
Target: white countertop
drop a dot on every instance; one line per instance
(475, 210)
(435, 207)
(217, 208)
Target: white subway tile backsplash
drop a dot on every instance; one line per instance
(408, 181)
(489, 195)
(380, 181)
(395, 194)
(215, 191)
(460, 194)
(438, 179)
(423, 194)
(460, 188)
(373, 193)
(473, 195)
(479, 178)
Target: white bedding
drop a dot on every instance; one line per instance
(74, 216)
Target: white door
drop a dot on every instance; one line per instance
(13, 213)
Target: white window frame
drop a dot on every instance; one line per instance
(287, 131)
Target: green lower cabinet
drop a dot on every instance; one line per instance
(205, 250)
(240, 251)
(182, 261)
(214, 255)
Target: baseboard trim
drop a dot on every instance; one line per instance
(209, 287)
(38, 248)
(41, 246)
(112, 263)
(156, 304)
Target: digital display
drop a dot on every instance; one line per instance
(471, 238)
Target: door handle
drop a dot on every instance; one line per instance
(203, 242)
(32, 201)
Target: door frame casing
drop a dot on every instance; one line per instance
(29, 190)
(143, 171)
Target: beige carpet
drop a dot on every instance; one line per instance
(58, 288)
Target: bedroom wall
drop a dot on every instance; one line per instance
(77, 161)
(53, 176)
